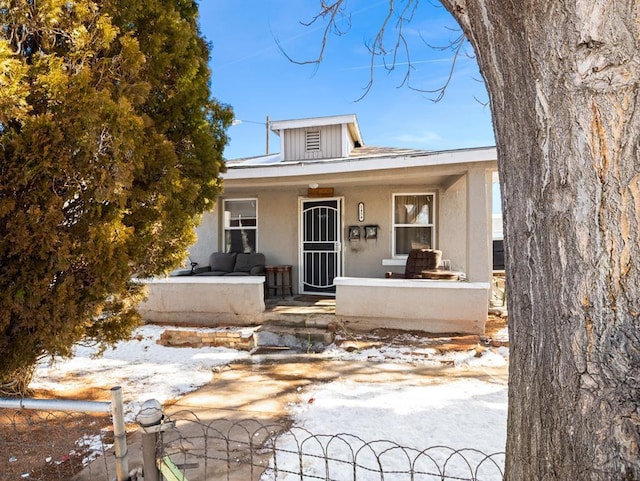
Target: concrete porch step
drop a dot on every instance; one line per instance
(319, 321)
(298, 336)
(300, 308)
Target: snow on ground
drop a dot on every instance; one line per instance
(443, 428)
(143, 368)
(457, 413)
(447, 428)
(423, 356)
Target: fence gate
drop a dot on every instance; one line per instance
(321, 245)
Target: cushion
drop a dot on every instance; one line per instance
(244, 262)
(200, 270)
(222, 262)
(421, 260)
(257, 270)
(212, 273)
(181, 272)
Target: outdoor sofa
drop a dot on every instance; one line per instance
(232, 264)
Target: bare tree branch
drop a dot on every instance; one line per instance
(330, 13)
(389, 44)
(456, 45)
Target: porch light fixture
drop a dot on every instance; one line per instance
(313, 185)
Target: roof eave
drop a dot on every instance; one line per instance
(361, 164)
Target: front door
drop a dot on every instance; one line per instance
(321, 245)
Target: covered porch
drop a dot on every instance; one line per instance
(360, 303)
(341, 224)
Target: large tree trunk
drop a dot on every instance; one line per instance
(563, 80)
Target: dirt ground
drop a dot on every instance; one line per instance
(44, 445)
(495, 336)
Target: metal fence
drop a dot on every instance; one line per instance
(54, 440)
(195, 449)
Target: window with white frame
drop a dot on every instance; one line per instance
(413, 222)
(240, 219)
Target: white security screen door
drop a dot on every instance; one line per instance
(321, 245)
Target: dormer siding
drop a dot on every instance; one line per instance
(312, 143)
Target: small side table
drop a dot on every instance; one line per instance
(278, 277)
(440, 275)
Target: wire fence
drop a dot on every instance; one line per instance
(47, 445)
(52, 445)
(253, 450)
(52, 440)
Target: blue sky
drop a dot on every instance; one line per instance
(250, 73)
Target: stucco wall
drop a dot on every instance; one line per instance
(206, 301)
(363, 258)
(207, 234)
(278, 228)
(452, 231)
(430, 306)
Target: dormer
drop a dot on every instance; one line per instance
(318, 137)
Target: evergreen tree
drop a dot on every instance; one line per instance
(110, 149)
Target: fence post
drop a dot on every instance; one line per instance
(119, 434)
(150, 415)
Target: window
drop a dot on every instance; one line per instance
(240, 225)
(413, 222)
(312, 140)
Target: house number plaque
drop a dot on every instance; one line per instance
(360, 211)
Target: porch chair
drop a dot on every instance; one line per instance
(418, 260)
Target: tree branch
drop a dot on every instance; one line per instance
(330, 13)
(390, 43)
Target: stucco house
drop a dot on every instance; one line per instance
(342, 214)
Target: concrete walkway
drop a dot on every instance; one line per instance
(262, 390)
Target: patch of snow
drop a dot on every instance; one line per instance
(421, 355)
(372, 427)
(143, 368)
(93, 445)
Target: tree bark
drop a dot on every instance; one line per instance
(563, 79)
